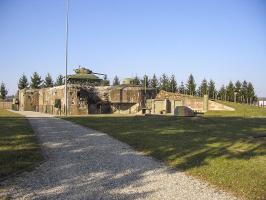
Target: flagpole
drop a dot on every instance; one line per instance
(66, 57)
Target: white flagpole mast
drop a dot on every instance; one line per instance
(66, 102)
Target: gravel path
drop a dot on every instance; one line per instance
(85, 164)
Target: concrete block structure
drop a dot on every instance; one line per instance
(167, 102)
(86, 95)
(83, 100)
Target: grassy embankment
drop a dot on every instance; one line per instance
(19, 149)
(226, 151)
(242, 110)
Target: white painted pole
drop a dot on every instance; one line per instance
(66, 57)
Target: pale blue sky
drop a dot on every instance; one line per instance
(223, 40)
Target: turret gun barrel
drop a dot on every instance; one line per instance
(99, 73)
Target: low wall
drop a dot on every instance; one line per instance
(218, 106)
(167, 102)
(194, 103)
(130, 94)
(5, 105)
(125, 108)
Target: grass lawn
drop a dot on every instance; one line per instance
(242, 110)
(18, 144)
(218, 149)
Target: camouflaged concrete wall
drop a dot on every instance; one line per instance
(48, 96)
(103, 92)
(88, 99)
(43, 100)
(168, 95)
(125, 95)
(195, 103)
(28, 99)
(157, 106)
(125, 108)
(129, 99)
(130, 94)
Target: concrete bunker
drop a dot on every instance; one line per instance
(86, 95)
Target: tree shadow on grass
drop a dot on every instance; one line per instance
(195, 139)
(18, 146)
(83, 164)
(217, 148)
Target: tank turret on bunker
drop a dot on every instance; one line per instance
(87, 95)
(84, 76)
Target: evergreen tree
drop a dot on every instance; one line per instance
(222, 93)
(243, 91)
(238, 90)
(59, 80)
(230, 89)
(250, 93)
(3, 91)
(23, 82)
(191, 85)
(154, 82)
(211, 89)
(105, 81)
(198, 92)
(48, 81)
(173, 84)
(116, 81)
(255, 99)
(164, 82)
(36, 81)
(203, 88)
(145, 81)
(136, 80)
(182, 88)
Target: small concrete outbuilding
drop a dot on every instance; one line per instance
(182, 105)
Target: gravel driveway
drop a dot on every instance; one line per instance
(85, 164)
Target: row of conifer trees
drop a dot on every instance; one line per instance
(239, 91)
(37, 82)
